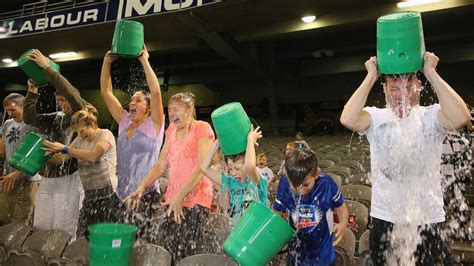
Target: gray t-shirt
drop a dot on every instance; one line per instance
(102, 173)
(13, 133)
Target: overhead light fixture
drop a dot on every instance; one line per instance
(62, 55)
(416, 3)
(308, 19)
(7, 60)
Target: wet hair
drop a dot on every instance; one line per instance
(234, 157)
(87, 116)
(262, 154)
(410, 76)
(16, 98)
(186, 98)
(147, 96)
(299, 164)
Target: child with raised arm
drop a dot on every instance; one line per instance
(241, 178)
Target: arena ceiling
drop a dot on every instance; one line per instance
(237, 40)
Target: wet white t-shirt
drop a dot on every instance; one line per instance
(405, 160)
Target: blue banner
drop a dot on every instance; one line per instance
(95, 14)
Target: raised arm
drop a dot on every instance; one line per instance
(250, 157)
(30, 114)
(59, 82)
(353, 116)
(454, 113)
(113, 104)
(206, 169)
(156, 103)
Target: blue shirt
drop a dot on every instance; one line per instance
(314, 245)
(241, 193)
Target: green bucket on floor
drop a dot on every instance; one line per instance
(400, 43)
(29, 158)
(232, 127)
(128, 38)
(111, 244)
(32, 70)
(258, 237)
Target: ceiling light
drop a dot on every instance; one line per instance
(7, 60)
(416, 3)
(61, 55)
(308, 19)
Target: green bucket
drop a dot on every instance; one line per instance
(29, 157)
(400, 43)
(258, 237)
(111, 244)
(128, 38)
(232, 126)
(32, 70)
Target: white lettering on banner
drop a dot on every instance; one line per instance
(26, 26)
(169, 5)
(10, 28)
(57, 21)
(72, 22)
(142, 9)
(90, 14)
(41, 24)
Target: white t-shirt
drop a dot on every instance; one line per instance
(405, 160)
(13, 133)
(266, 173)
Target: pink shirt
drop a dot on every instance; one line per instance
(183, 161)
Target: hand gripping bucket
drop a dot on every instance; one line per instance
(111, 244)
(32, 70)
(258, 237)
(29, 157)
(400, 43)
(232, 126)
(128, 38)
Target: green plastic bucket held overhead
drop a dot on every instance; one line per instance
(232, 126)
(111, 244)
(128, 38)
(29, 157)
(400, 43)
(258, 237)
(32, 70)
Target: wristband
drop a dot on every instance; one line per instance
(65, 150)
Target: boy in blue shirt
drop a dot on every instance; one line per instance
(307, 195)
(241, 179)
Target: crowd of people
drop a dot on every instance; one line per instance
(94, 177)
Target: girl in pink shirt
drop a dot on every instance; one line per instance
(189, 194)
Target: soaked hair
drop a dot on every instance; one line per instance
(87, 116)
(410, 76)
(16, 98)
(262, 154)
(299, 164)
(186, 98)
(147, 96)
(234, 157)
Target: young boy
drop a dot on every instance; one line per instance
(302, 144)
(307, 195)
(290, 146)
(242, 180)
(262, 168)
